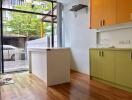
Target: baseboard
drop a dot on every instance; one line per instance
(76, 71)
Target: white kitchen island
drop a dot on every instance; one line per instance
(52, 65)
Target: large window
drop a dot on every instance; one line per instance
(26, 23)
(0, 38)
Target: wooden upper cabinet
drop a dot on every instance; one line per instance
(124, 11)
(109, 17)
(96, 13)
(103, 13)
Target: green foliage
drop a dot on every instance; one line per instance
(28, 24)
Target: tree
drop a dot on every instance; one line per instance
(28, 24)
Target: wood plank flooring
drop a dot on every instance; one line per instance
(29, 87)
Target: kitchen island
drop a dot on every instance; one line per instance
(52, 65)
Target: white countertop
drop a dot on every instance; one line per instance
(111, 49)
(46, 49)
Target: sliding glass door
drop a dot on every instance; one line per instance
(14, 42)
(1, 31)
(26, 24)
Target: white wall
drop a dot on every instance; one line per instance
(78, 36)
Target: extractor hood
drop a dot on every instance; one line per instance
(78, 7)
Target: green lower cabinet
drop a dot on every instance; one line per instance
(123, 65)
(95, 59)
(102, 64)
(108, 68)
(113, 67)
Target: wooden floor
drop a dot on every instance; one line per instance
(28, 87)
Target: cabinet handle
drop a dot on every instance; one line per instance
(103, 22)
(102, 54)
(131, 55)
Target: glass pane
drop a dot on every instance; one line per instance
(22, 31)
(55, 9)
(38, 6)
(55, 35)
(0, 40)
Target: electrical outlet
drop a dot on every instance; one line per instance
(121, 42)
(124, 42)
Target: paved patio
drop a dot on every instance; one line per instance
(15, 65)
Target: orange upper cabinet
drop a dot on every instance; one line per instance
(103, 13)
(109, 17)
(124, 11)
(96, 13)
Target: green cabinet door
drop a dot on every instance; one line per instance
(95, 64)
(108, 65)
(124, 68)
(102, 64)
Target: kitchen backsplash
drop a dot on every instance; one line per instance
(121, 38)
